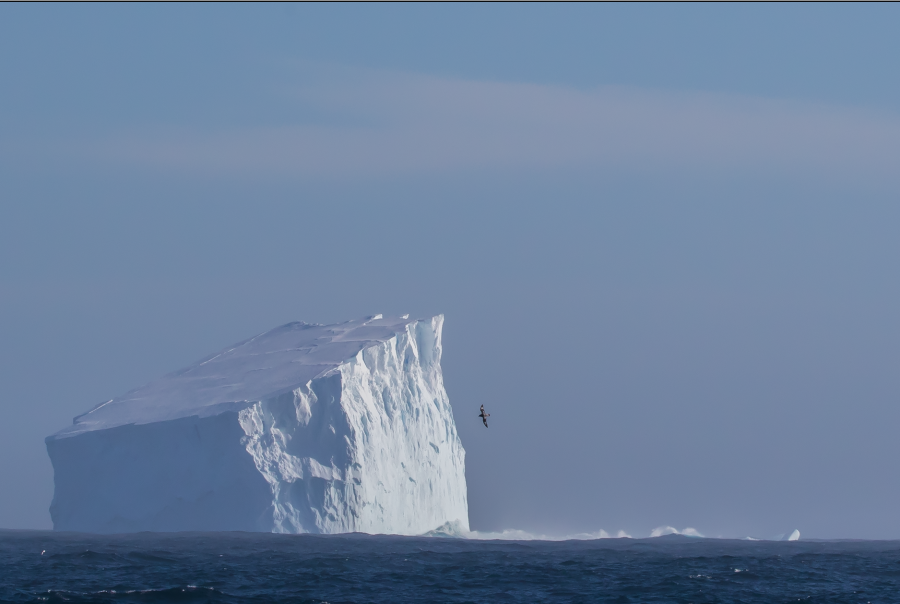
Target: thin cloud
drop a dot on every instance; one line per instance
(408, 124)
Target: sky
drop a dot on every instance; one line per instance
(663, 237)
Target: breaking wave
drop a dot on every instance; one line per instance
(670, 530)
(454, 529)
(517, 535)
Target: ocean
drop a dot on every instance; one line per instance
(44, 566)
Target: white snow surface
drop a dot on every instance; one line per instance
(305, 428)
(260, 368)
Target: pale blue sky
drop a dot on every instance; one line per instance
(663, 236)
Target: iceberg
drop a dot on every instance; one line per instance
(303, 429)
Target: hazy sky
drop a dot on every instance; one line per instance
(665, 237)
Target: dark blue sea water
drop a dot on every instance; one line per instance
(38, 566)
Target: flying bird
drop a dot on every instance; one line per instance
(484, 416)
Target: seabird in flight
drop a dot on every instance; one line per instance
(484, 416)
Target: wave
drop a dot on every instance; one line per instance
(518, 535)
(187, 594)
(661, 531)
(454, 530)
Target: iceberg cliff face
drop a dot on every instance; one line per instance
(306, 428)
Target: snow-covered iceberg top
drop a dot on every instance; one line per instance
(263, 367)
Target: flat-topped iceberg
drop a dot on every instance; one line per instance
(303, 429)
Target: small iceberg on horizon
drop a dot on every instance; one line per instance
(452, 529)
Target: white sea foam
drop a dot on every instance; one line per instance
(518, 535)
(451, 529)
(670, 530)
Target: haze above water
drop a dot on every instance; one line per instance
(664, 237)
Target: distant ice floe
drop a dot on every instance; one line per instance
(670, 530)
(795, 536)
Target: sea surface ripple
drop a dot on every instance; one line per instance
(43, 566)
